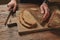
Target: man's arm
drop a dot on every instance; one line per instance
(12, 3)
(44, 8)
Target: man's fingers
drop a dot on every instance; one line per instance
(14, 9)
(46, 13)
(9, 6)
(42, 10)
(46, 16)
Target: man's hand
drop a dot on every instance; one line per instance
(12, 5)
(44, 10)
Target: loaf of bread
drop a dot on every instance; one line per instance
(21, 21)
(28, 17)
(54, 21)
(27, 20)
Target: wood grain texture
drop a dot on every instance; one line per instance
(12, 34)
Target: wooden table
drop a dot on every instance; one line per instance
(12, 34)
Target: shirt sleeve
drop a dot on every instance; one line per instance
(32, 1)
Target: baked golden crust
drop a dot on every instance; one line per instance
(54, 21)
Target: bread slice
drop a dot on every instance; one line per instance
(21, 21)
(28, 17)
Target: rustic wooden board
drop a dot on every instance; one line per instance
(32, 20)
(22, 29)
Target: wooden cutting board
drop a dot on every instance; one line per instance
(29, 19)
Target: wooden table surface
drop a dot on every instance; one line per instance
(12, 34)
